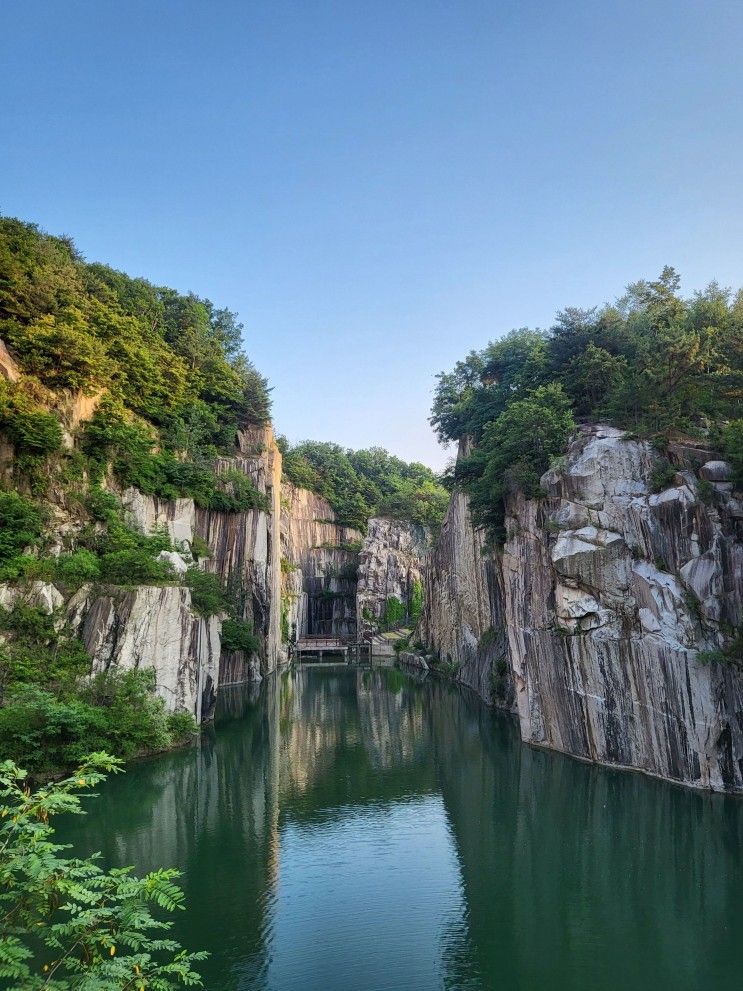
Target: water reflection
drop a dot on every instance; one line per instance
(354, 829)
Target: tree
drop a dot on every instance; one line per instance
(66, 922)
(515, 452)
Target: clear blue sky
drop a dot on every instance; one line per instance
(377, 187)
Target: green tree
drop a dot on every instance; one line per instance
(66, 922)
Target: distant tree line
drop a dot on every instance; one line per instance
(362, 484)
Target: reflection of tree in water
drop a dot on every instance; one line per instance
(212, 810)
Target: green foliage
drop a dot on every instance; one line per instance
(361, 484)
(33, 431)
(499, 679)
(52, 729)
(653, 363)
(66, 922)
(36, 650)
(21, 523)
(662, 476)
(80, 326)
(416, 601)
(394, 613)
(514, 452)
(129, 446)
(237, 634)
(732, 446)
(134, 566)
(731, 654)
(208, 595)
(177, 386)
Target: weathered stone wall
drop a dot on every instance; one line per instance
(153, 627)
(607, 592)
(610, 592)
(462, 621)
(319, 585)
(392, 561)
(244, 547)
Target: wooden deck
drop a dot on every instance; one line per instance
(321, 646)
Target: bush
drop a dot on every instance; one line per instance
(31, 430)
(134, 567)
(76, 569)
(20, 525)
(394, 613)
(662, 476)
(208, 596)
(45, 732)
(237, 634)
(36, 652)
(95, 927)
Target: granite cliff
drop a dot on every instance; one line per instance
(602, 620)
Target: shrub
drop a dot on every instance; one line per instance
(75, 569)
(95, 927)
(394, 612)
(237, 634)
(31, 430)
(662, 475)
(208, 596)
(20, 525)
(134, 567)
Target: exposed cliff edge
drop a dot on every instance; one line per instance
(244, 548)
(607, 593)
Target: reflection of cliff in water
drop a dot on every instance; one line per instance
(351, 736)
(566, 866)
(212, 810)
(562, 866)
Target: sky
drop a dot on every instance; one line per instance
(379, 187)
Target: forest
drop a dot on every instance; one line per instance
(362, 484)
(654, 363)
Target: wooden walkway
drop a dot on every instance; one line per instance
(321, 646)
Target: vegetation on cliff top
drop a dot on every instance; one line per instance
(653, 363)
(168, 367)
(168, 387)
(362, 484)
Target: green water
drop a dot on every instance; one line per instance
(360, 831)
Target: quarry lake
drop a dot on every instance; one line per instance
(356, 829)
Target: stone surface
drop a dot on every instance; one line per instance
(392, 560)
(319, 587)
(605, 621)
(462, 618)
(152, 627)
(607, 592)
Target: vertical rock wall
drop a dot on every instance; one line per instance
(320, 559)
(462, 621)
(607, 592)
(391, 563)
(150, 627)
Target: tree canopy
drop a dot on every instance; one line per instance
(654, 362)
(362, 484)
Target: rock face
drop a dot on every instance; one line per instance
(462, 620)
(607, 592)
(320, 559)
(149, 627)
(391, 565)
(244, 548)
